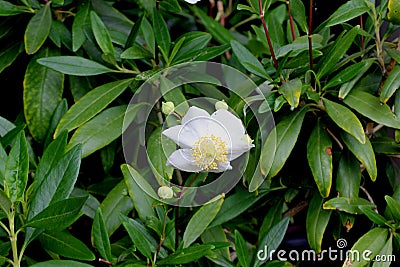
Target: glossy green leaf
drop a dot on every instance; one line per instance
(211, 52)
(116, 202)
(5, 202)
(271, 240)
(58, 113)
(387, 254)
(391, 84)
(38, 29)
(216, 235)
(5, 126)
(101, 34)
(136, 52)
(74, 65)
(187, 255)
(385, 145)
(89, 136)
(100, 237)
(241, 200)
(242, 251)
(60, 34)
(219, 33)
(194, 43)
(9, 9)
(271, 218)
(3, 161)
(394, 54)
(338, 50)
(59, 263)
(349, 73)
(249, 61)
(349, 205)
(131, 40)
(80, 26)
(363, 153)
(148, 35)
(91, 104)
(58, 215)
(319, 160)
(394, 11)
(171, 6)
(201, 220)
(316, 222)
(43, 89)
(291, 91)
(348, 11)
(139, 190)
(345, 119)
(370, 106)
(348, 176)
(280, 143)
(298, 12)
(394, 207)
(347, 86)
(161, 32)
(9, 54)
(16, 171)
(66, 245)
(373, 216)
(373, 241)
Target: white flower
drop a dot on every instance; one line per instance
(192, 1)
(208, 142)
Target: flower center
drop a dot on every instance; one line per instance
(209, 151)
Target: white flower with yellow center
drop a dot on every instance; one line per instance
(208, 142)
(192, 1)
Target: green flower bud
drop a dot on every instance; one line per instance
(167, 107)
(221, 105)
(165, 192)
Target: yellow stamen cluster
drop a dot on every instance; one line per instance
(209, 151)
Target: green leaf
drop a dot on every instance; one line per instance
(158, 149)
(66, 245)
(100, 237)
(280, 143)
(370, 106)
(5, 126)
(391, 84)
(346, 87)
(272, 240)
(220, 33)
(91, 104)
(394, 11)
(161, 32)
(241, 200)
(201, 220)
(131, 40)
(139, 190)
(9, 54)
(187, 255)
(298, 12)
(215, 236)
(43, 89)
(373, 241)
(271, 218)
(394, 207)
(136, 52)
(16, 171)
(349, 73)
(363, 153)
(386, 251)
(394, 54)
(80, 27)
(320, 160)
(89, 136)
(148, 35)
(242, 251)
(373, 216)
(348, 176)
(59, 263)
(338, 50)
(60, 110)
(348, 11)
(101, 34)
(116, 202)
(316, 222)
(349, 205)
(171, 6)
(5, 202)
(37, 30)
(345, 119)
(291, 91)
(9, 9)
(193, 45)
(58, 215)
(249, 61)
(74, 65)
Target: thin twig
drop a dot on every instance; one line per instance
(369, 197)
(361, 36)
(291, 21)
(334, 138)
(310, 21)
(271, 49)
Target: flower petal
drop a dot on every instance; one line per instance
(232, 124)
(239, 147)
(193, 113)
(183, 136)
(181, 159)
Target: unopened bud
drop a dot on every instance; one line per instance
(165, 192)
(167, 107)
(221, 105)
(246, 138)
